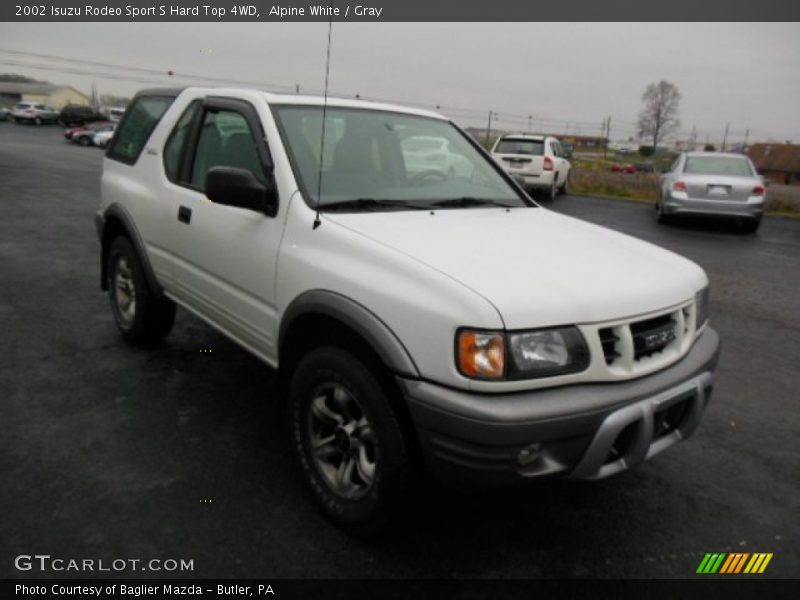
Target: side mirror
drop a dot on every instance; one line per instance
(232, 186)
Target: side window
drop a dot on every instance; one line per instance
(173, 149)
(674, 166)
(225, 140)
(139, 122)
(554, 148)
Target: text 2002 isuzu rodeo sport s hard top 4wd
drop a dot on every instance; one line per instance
(434, 315)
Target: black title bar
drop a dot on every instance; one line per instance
(405, 10)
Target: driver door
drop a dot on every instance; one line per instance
(225, 257)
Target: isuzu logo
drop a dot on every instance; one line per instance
(659, 339)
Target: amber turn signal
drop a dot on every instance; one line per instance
(481, 355)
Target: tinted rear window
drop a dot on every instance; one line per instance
(717, 165)
(534, 147)
(136, 127)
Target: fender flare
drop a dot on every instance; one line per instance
(120, 213)
(357, 317)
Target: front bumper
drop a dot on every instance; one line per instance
(674, 204)
(586, 431)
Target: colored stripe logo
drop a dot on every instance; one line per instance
(734, 563)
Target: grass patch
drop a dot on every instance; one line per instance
(595, 182)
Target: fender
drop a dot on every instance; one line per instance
(359, 318)
(120, 213)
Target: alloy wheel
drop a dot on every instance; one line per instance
(342, 441)
(124, 291)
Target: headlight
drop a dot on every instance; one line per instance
(701, 308)
(536, 353)
(547, 352)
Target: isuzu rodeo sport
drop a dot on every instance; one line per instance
(433, 317)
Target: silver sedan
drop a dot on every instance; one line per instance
(713, 184)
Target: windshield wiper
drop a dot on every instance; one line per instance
(467, 201)
(368, 204)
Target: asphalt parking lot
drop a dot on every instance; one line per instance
(113, 452)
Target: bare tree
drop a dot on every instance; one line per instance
(659, 117)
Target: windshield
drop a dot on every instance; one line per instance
(512, 146)
(383, 160)
(717, 165)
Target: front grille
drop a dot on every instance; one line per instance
(652, 336)
(639, 346)
(609, 339)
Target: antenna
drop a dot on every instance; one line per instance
(317, 221)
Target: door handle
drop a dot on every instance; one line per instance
(184, 214)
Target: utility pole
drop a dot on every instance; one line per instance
(489, 127)
(607, 136)
(725, 137)
(746, 135)
(296, 88)
(529, 123)
(693, 142)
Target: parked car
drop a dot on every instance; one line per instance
(644, 168)
(102, 137)
(4, 112)
(623, 168)
(31, 112)
(713, 184)
(537, 160)
(115, 114)
(74, 115)
(445, 324)
(85, 135)
(426, 156)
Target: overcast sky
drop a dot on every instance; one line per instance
(565, 75)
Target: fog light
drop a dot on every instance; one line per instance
(528, 454)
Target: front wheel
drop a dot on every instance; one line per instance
(350, 446)
(37, 121)
(84, 141)
(140, 315)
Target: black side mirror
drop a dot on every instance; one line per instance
(232, 186)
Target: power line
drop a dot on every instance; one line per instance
(151, 76)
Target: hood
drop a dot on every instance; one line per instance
(538, 268)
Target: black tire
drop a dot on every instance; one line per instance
(660, 216)
(85, 140)
(319, 375)
(147, 318)
(751, 225)
(549, 194)
(564, 189)
(37, 121)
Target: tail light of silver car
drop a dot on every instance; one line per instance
(679, 186)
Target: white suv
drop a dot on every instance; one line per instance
(537, 160)
(417, 319)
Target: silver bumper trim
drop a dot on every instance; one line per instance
(642, 446)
